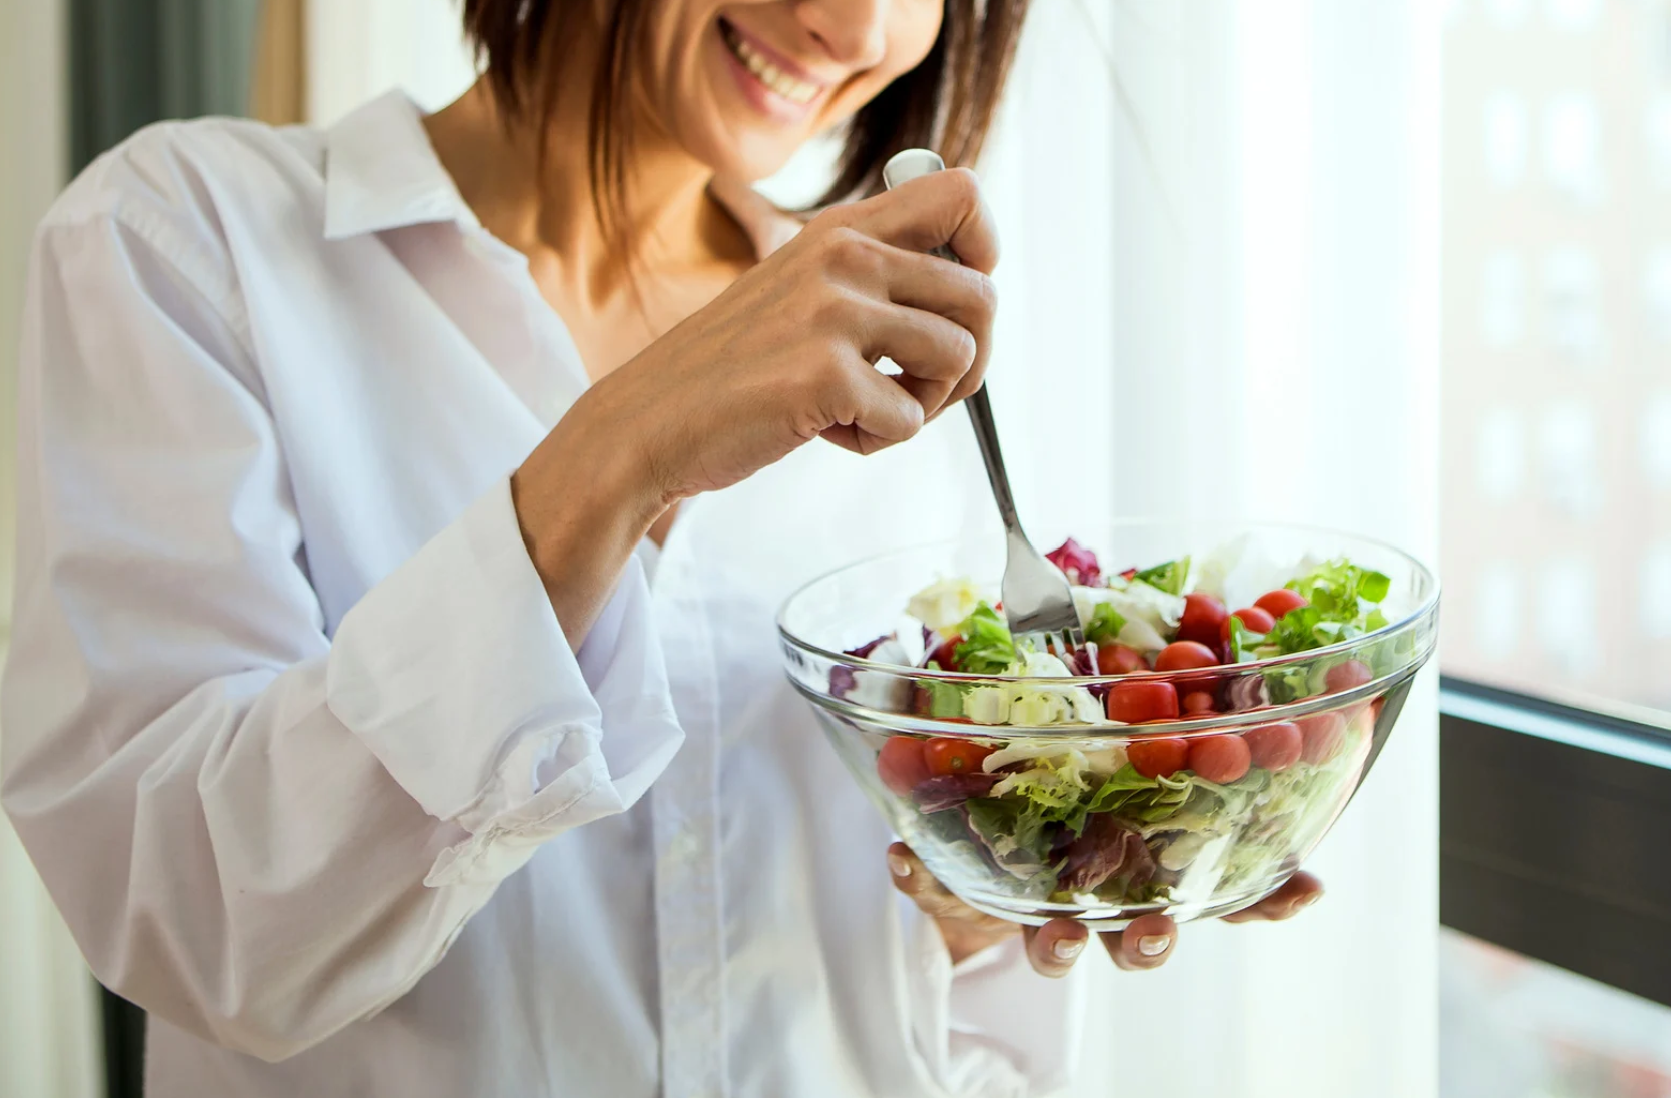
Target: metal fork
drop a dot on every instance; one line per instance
(1038, 603)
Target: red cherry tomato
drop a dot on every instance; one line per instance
(945, 655)
(1184, 656)
(1220, 758)
(1202, 620)
(1320, 736)
(1198, 702)
(953, 756)
(902, 764)
(1158, 758)
(1344, 676)
(1136, 701)
(1255, 619)
(1119, 659)
(1275, 747)
(1277, 603)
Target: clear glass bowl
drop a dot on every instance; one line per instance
(1173, 843)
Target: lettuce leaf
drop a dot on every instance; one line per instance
(1340, 590)
(1240, 638)
(945, 699)
(1016, 832)
(1169, 577)
(1343, 605)
(987, 647)
(1105, 624)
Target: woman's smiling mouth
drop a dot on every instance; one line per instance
(767, 71)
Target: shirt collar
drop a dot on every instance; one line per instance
(381, 173)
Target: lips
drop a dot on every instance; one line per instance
(763, 69)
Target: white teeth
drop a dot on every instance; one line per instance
(796, 91)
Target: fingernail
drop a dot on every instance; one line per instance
(1153, 945)
(1307, 900)
(1066, 949)
(899, 865)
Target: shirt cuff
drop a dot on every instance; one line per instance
(456, 674)
(990, 1027)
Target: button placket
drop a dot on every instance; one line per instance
(684, 807)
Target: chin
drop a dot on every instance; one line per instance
(744, 156)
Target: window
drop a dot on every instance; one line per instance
(1557, 348)
(1555, 736)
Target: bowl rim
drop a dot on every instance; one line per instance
(1182, 727)
(1425, 609)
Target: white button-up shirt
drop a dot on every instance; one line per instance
(297, 744)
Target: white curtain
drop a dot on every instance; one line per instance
(357, 49)
(48, 1003)
(1220, 225)
(1225, 286)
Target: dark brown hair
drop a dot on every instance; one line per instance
(947, 103)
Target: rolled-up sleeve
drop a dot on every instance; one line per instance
(988, 1027)
(463, 636)
(257, 831)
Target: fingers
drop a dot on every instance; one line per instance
(933, 353)
(867, 411)
(926, 282)
(966, 297)
(911, 877)
(965, 930)
(1298, 893)
(931, 317)
(1144, 944)
(1055, 946)
(942, 208)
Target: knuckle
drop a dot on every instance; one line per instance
(848, 250)
(827, 309)
(962, 186)
(985, 292)
(835, 311)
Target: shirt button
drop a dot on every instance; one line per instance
(683, 848)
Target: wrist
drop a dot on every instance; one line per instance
(584, 498)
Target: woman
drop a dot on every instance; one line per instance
(393, 705)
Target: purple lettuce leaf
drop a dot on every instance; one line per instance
(1105, 849)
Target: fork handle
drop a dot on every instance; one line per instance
(986, 433)
(905, 166)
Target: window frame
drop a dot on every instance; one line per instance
(1516, 873)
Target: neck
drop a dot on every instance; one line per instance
(667, 224)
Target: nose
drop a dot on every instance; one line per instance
(853, 32)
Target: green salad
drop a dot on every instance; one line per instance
(1137, 820)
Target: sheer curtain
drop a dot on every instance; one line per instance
(357, 49)
(1219, 286)
(1224, 283)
